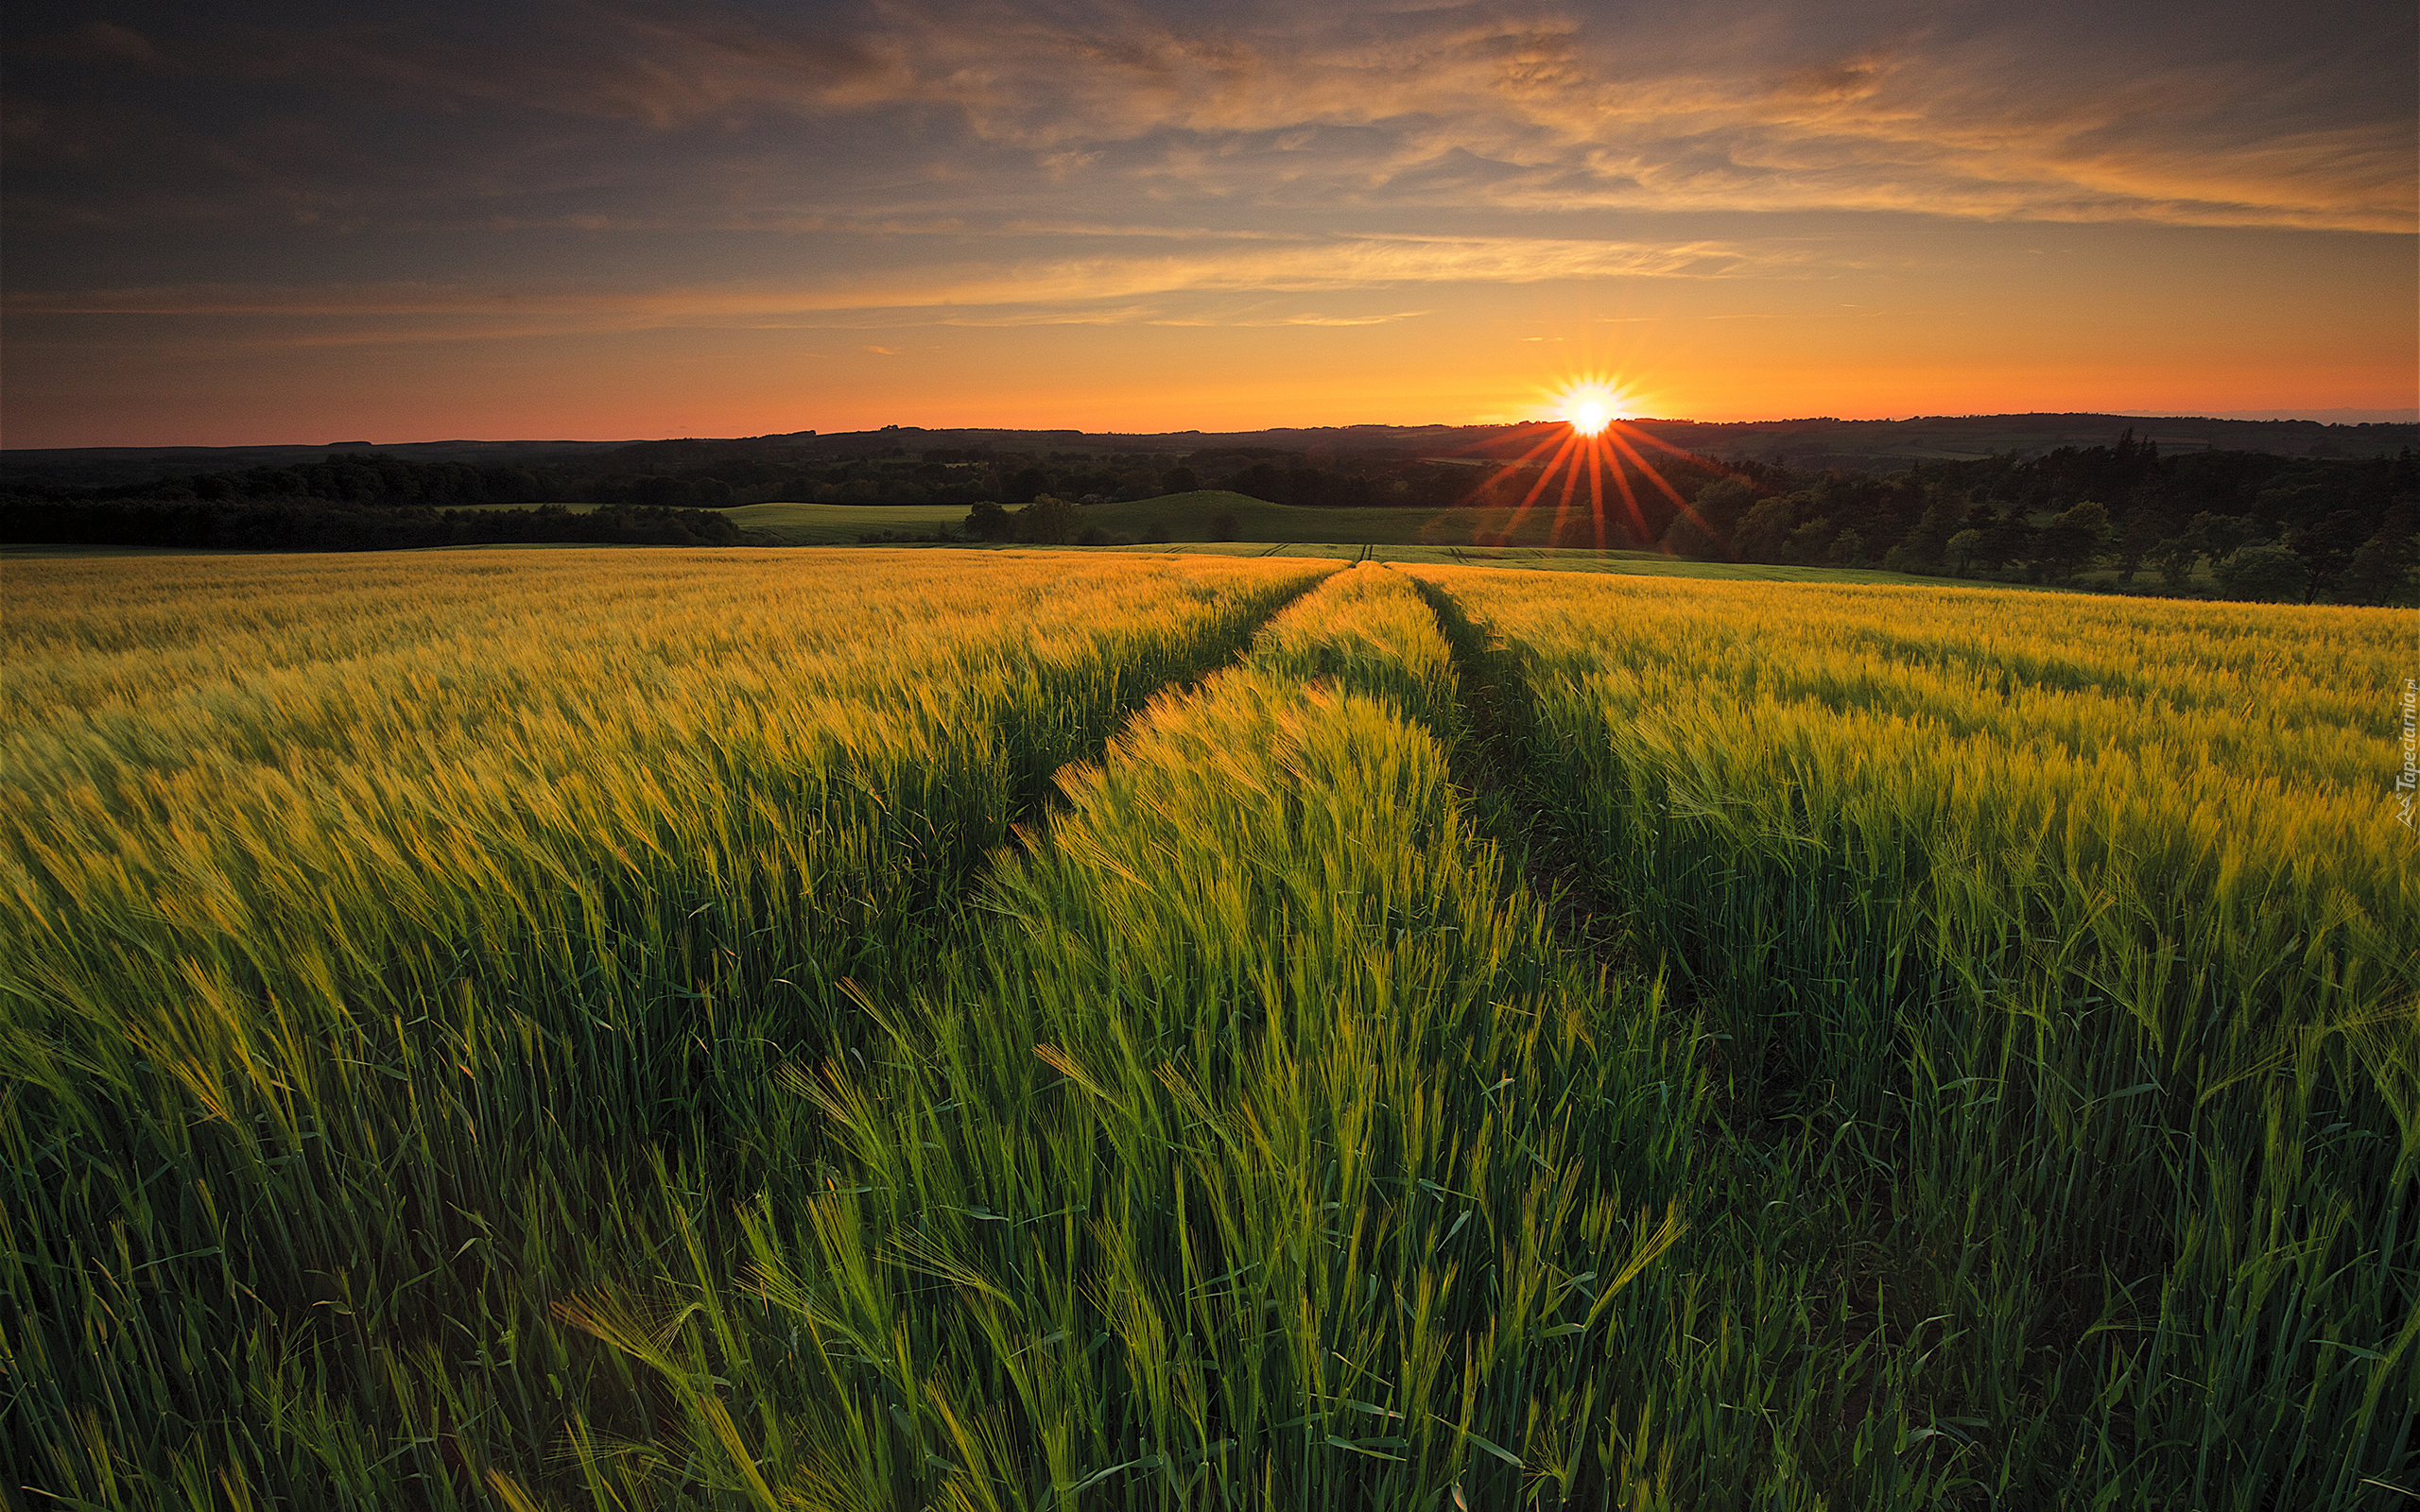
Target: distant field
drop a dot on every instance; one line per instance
(1185, 516)
(841, 525)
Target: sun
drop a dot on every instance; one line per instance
(1588, 407)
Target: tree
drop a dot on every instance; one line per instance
(1922, 549)
(1576, 532)
(2327, 545)
(2380, 572)
(1962, 549)
(1023, 484)
(1723, 503)
(1048, 521)
(1179, 480)
(2268, 574)
(1688, 536)
(1806, 542)
(1226, 527)
(2072, 542)
(660, 492)
(2137, 537)
(1262, 480)
(2008, 539)
(2174, 558)
(1848, 550)
(2219, 536)
(987, 521)
(1764, 532)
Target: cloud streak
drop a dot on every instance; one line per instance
(1529, 107)
(2077, 113)
(1078, 284)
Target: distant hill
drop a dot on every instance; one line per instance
(1819, 444)
(96, 466)
(1886, 445)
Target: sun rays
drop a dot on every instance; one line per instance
(1590, 468)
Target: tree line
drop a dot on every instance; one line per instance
(319, 525)
(2252, 525)
(356, 500)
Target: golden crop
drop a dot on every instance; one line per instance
(911, 1029)
(292, 772)
(2034, 782)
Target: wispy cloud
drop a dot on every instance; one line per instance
(1086, 289)
(1303, 319)
(2066, 112)
(1728, 106)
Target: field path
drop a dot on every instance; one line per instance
(1265, 1138)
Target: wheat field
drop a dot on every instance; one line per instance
(596, 1029)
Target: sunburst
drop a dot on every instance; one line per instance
(1596, 442)
(1589, 404)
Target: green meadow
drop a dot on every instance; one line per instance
(1244, 1026)
(1180, 516)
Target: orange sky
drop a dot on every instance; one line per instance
(283, 223)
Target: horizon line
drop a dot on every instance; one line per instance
(2371, 417)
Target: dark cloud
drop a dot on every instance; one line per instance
(2216, 115)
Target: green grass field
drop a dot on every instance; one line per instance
(841, 525)
(1100, 1029)
(1182, 516)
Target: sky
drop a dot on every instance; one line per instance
(254, 221)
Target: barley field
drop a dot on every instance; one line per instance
(800, 1029)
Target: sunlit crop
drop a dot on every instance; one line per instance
(2072, 944)
(1052, 1030)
